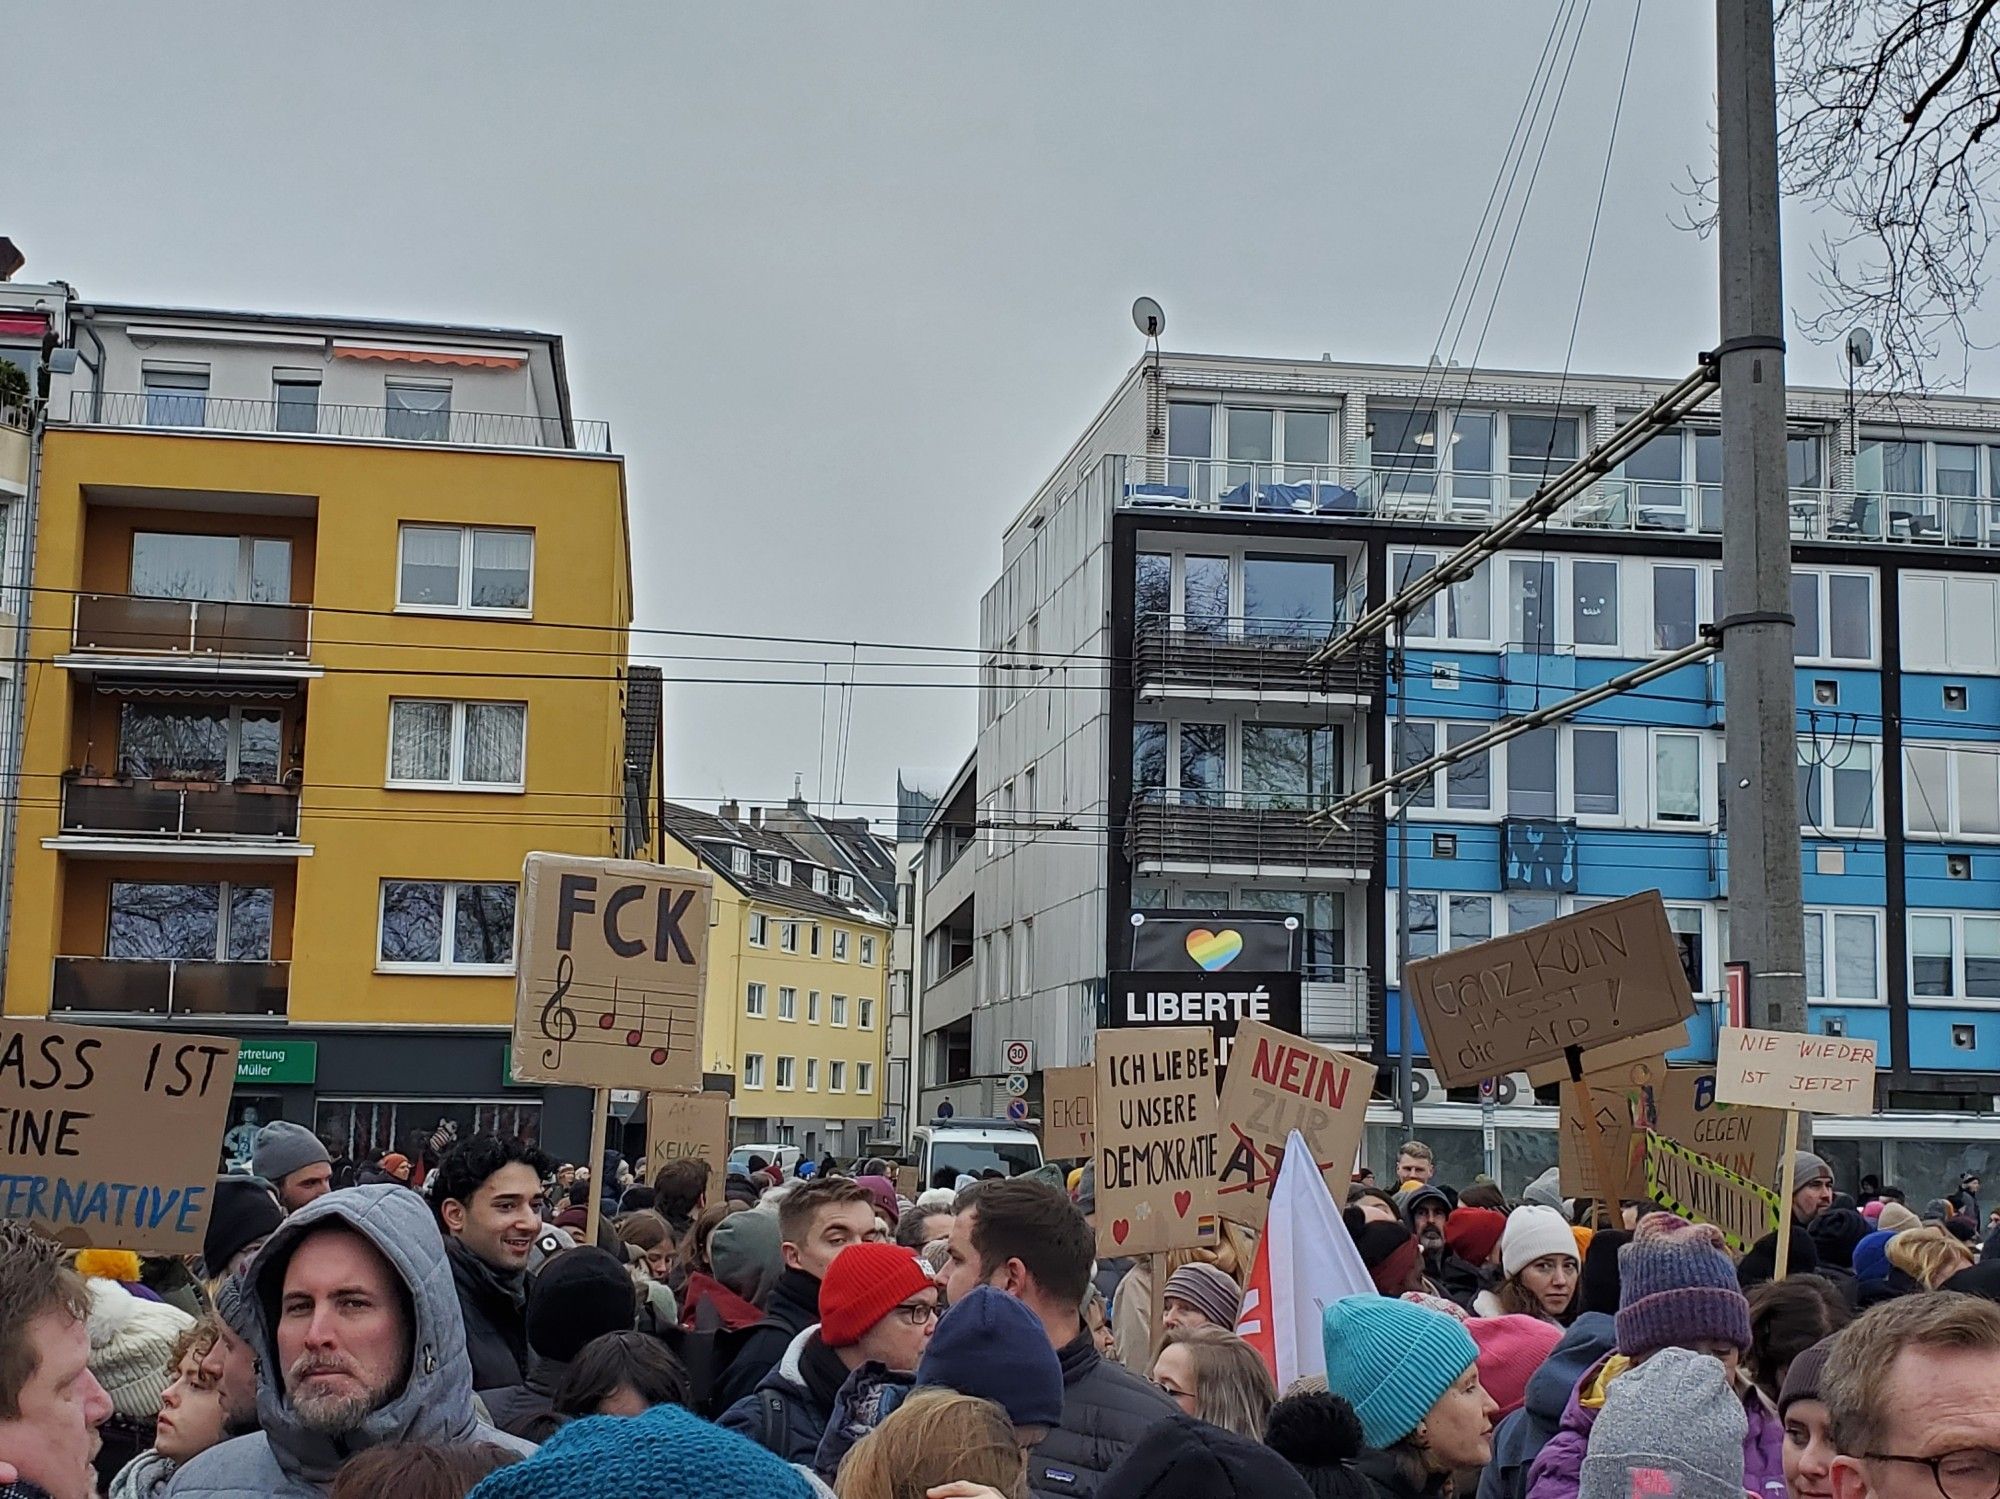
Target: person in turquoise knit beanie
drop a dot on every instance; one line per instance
(1412, 1376)
(666, 1452)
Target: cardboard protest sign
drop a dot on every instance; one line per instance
(613, 956)
(1607, 973)
(1612, 1054)
(108, 1137)
(688, 1126)
(1156, 1127)
(907, 1182)
(1222, 1002)
(1677, 1102)
(1786, 1070)
(1703, 1192)
(1282, 1083)
(1069, 1105)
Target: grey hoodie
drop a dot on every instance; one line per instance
(435, 1404)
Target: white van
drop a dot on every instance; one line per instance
(784, 1157)
(946, 1149)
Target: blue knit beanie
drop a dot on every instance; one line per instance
(668, 1450)
(990, 1345)
(1871, 1257)
(1392, 1361)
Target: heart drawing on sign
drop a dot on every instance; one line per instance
(1214, 950)
(1182, 1202)
(1119, 1229)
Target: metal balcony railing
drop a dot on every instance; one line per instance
(170, 987)
(194, 410)
(127, 625)
(1267, 655)
(1231, 830)
(1335, 1005)
(154, 809)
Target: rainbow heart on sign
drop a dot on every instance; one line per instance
(1214, 950)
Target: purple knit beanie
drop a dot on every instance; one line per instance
(1677, 1287)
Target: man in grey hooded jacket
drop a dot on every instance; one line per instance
(355, 1321)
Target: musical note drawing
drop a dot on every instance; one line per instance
(610, 1017)
(558, 1020)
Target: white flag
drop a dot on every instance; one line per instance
(1306, 1261)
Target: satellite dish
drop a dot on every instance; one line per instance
(1148, 318)
(1860, 348)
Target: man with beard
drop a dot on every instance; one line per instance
(231, 1363)
(351, 1315)
(1426, 1210)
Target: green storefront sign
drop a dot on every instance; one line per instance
(265, 1062)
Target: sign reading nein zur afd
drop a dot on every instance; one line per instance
(1282, 1083)
(269, 1062)
(613, 955)
(108, 1136)
(1221, 1003)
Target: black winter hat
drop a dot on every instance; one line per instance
(1761, 1262)
(1835, 1232)
(1320, 1436)
(1182, 1458)
(1600, 1270)
(1982, 1279)
(243, 1210)
(580, 1294)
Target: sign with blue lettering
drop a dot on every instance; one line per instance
(108, 1137)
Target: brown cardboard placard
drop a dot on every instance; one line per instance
(688, 1126)
(1703, 1192)
(1787, 1070)
(1156, 1138)
(1278, 1083)
(613, 955)
(1677, 1102)
(1602, 975)
(1069, 1104)
(907, 1183)
(1616, 1054)
(108, 1136)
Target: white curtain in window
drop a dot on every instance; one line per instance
(493, 740)
(430, 565)
(501, 563)
(419, 741)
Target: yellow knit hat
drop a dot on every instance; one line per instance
(107, 1264)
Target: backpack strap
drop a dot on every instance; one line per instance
(777, 1433)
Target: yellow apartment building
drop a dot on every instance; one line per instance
(328, 632)
(797, 1001)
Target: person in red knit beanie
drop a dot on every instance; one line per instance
(1471, 1253)
(877, 1308)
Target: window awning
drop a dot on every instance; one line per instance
(463, 358)
(228, 692)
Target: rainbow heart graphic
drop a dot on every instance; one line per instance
(1214, 950)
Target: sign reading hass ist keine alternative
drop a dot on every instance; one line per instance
(613, 956)
(1155, 1153)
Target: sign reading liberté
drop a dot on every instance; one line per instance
(612, 961)
(108, 1136)
(1156, 1138)
(1222, 1002)
(1787, 1070)
(1603, 974)
(1282, 1083)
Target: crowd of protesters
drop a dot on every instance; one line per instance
(447, 1332)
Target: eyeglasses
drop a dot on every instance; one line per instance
(1970, 1473)
(917, 1313)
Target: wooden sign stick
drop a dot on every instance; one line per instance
(1156, 1313)
(1593, 1138)
(600, 1099)
(1787, 1184)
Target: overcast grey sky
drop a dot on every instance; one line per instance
(846, 280)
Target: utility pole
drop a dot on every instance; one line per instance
(1406, 1015)
(1766, 919)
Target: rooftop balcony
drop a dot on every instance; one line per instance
(1176, 653)
(265, 819)
(188, 634)
(1213, 832)
(170, 988)
(195, 410)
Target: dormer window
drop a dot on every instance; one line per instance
(784, 871)
(819, 882)
(739, 861)
(847, 887)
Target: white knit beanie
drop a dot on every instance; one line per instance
(1533, 1231)
(130, 1342)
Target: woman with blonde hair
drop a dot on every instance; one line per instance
(1929, 1256)
(937, 1442)
(1234, 1254)
(1216, 1377)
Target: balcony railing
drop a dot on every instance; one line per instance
(1335, 1004)
(1264, 655)
(169, 987)
(194, 410)
(1449, 496)
(1229, 829)
(154, 809)
(126, 625)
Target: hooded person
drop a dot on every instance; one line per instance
(1472, 1248)
(1592, 1336)
(1671, 1426)
(388, 1366)
(579, 1295)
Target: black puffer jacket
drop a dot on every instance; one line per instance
(792, 1308)
(496, 1327)
(1106, 1408)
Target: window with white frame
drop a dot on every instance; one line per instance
(1676, 605)
(1835, 615)
(864, 1077)
(1951, 623)
(446, 926)
(1837, 784)
(1955, 955)
(812, 1007)
(839, 1009)
(788, 1068)
(864, 1012)
(846, 886)
(1928, 490)
(466, 569)
(839, 945)
(836, 1077)
(819, 882)
(1439, 921)
(753, 999)
(753, 1069)
(813, 939)
(1952, 790)
(417, 410)
(176, 396)
(1677, 776)
(457, 745)
(1467, 603)
(784, 871)
(788, 936)
(739, 861)
(1567, 770)
(1593, 605)
(867, 951)
(1843, 955)
(812, 1074)
(760, 929)
(788, 1003)
(195, 920)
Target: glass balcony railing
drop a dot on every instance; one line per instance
(170, 988)
(154, 809)
(118, 624)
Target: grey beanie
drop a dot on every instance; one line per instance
(236, 1306)
(1674, 1415)
(747, 1253)
(282, 1148)
(1808, 1168)
(1546, 1190)
(1086, 1189)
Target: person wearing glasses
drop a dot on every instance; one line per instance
(1912, 1393)
(877, 1308)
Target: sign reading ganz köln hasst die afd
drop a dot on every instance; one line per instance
(1221, 1001)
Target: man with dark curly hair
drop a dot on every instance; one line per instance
(487, 1194)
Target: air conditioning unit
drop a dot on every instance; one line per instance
(1514, 1087)
(1424, 1084)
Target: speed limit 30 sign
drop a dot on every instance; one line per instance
(1019, 1055)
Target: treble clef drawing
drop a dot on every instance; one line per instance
(558, 1020)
